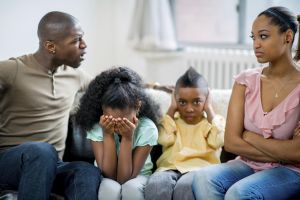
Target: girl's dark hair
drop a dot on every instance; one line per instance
(118, 87)
(284, 19)
(191, 78)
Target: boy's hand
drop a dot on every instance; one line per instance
(208, 107)
(125, 127)
(107, 123)
(208, 102)
(173, 107)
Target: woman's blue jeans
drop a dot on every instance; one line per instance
(35, 170)
(237, 181)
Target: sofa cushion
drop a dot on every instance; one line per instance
(220, 100)
(78, 148)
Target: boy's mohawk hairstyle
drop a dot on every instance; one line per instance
(192, 74)
(191, 78)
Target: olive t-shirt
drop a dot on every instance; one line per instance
(35, 103)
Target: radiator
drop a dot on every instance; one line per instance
(219, 66)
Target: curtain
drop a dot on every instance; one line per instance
(152, 26)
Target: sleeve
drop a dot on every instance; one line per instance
(85, 80)
(167, 131)
(146, 133)
(215, 137)
(8, 72)
(95, 134)
(241, 78)
(248, 77)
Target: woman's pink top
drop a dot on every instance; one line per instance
(279, 123)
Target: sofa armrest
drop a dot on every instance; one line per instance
(78, 147)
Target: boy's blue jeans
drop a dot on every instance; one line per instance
(237, 181)
(35, 170)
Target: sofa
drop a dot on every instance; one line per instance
(78, 148)
(220, 100)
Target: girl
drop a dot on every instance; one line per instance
(120, 121)
(263, 111)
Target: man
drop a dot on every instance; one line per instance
(36, 94)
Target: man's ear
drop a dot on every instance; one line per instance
(50, 46)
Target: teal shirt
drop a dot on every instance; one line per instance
(146, 133)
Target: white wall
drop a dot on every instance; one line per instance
(105, 23)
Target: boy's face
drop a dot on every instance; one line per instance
(190, 104)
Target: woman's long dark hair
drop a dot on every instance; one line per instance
(118, 87)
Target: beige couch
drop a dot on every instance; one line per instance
(220, 100)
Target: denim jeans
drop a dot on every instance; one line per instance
(237, 181)
(168, 185)
(132, 189)
(35, 170)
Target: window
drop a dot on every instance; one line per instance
(219, 22)
(202, 21)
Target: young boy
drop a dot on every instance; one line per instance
(191, 135)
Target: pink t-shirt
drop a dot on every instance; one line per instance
(279, 123)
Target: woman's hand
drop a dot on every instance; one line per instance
(108, 124)
(297, 130)
(125, 127)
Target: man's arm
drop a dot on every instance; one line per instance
(8, 73)
(85, 80)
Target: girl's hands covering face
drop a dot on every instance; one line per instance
(108, 124)
(125, 127)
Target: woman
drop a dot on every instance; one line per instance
(263, 112)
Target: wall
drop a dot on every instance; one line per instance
(105, 23)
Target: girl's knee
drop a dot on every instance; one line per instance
(109, 189)
(134, 185)
(132, 190)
